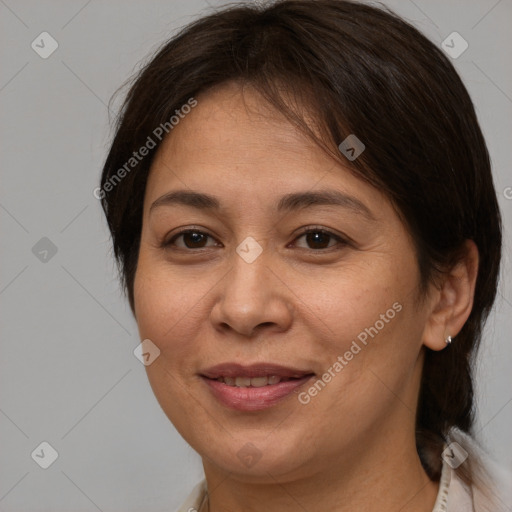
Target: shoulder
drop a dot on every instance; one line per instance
(195, 498)
(491, 487)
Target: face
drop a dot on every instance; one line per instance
(271, 272)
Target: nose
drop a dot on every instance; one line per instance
(252, 298)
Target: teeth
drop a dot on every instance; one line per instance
(255, 382)
(258, 382)
(242, 382)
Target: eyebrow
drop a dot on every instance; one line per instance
(289, 202)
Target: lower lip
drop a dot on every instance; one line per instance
(254, 399)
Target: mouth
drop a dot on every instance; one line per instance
(254, 382)
(254, 387)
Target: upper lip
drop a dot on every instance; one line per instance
(252, 370)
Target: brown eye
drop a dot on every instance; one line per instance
(192, 239)
(317, 239)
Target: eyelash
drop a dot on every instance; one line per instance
(341, 241)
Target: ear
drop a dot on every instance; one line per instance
(452, 301)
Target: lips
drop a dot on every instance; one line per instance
(255, 382)
(234, 370)
(253, 387)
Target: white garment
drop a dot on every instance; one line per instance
(453, 495)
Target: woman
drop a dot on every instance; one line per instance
(301, 202)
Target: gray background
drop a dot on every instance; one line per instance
(68, 375)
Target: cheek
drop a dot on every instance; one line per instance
(170, 307)
(165, 315)
(369, 318)
(160, 302)
(152, 306)
(354, 300)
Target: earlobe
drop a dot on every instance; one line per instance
(452, 302)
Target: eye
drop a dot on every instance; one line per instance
(192, 239)
(318, 238)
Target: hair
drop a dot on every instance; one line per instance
(357, 69)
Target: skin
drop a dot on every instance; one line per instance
(352, 447)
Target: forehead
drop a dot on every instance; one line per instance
(235, 144)
(237, 124)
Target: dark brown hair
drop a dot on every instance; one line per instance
(362, 70)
